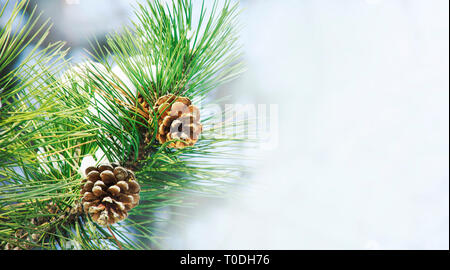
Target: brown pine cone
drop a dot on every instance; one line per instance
(178, 120)
(109, 192)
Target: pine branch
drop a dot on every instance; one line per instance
(55, 123)
(32, 122)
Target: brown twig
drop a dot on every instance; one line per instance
(117, 241)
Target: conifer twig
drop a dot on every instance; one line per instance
(112, 234)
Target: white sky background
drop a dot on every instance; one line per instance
(362, 160)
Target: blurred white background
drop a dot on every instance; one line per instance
(362, 159)
(363, 93)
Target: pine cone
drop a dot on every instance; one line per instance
(109, 192)
(178, 119)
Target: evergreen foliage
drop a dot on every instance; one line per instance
(50, 123)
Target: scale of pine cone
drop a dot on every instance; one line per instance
(178, 120)
(109, 192)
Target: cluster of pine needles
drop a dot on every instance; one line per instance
(50, 122)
